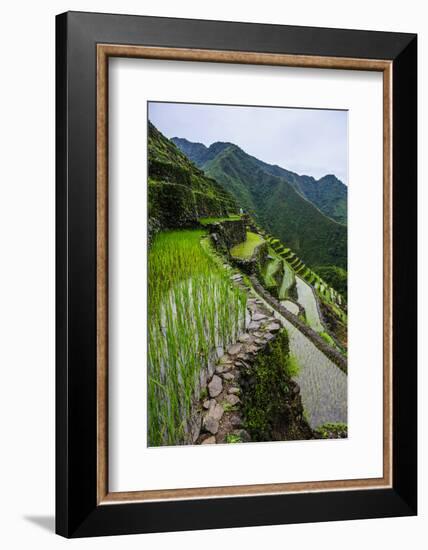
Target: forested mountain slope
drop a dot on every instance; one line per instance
(329, 194)
(178, 192)
(275, 201)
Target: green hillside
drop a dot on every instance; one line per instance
(280, 209)
(336, 277)
(328, 194)
(178, 192)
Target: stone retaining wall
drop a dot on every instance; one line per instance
(227, 233)
(253, 265)
(219, 415)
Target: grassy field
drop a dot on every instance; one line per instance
(208, 221)
(193, 309)
(246, 249)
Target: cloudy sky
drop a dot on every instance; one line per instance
(306, 141)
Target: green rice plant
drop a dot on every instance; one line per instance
(208, 221)
(194, 310)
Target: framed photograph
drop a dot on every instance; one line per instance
(236, 274)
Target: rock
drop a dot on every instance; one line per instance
(234, 390)
(236, 420)
(244, 338)
(212, 418)
(215, 387)
(235, 349)
(209, 440)
(194, 427)
(228, 376)
(224, 368)
(215, 410)
(206, 404)
(211, 425)
(219, 351)
(296, 388)
(259, 316)
(233, 399)
(224, 359)
(254, 325)
(203, 378)
(251, 349)
(240, 364)
(210, 369)
(273, 327)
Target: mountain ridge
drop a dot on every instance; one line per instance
(178, 191)
(328, 194)
(276, 202)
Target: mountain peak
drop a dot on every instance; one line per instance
(331, 179)
(220, 146)
(187, 142)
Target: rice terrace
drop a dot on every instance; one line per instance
(247, 276)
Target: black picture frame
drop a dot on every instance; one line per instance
(77, 511)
